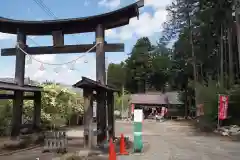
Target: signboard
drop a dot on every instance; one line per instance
(138, 115)
(222, 107)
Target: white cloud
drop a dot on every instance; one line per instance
(156, 3)
(33, 66)
(111, 33)
(4, 36)
(146, 25)
(112, 4)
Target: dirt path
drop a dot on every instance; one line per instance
(166, 141)
(174, 141)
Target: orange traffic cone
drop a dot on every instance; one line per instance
(112, 153)
(123, 150)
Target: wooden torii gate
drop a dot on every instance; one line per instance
(58, 28)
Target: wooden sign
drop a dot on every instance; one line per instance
(138, 115)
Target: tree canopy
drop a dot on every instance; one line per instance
(147, 67)
(202, 60)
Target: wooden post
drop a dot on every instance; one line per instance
(111, 119)
(88, 113)
(58, 38)
(37, 110)
(101, 116)
(17, 113)
(19, 79)
(20, 59)
(101, 77)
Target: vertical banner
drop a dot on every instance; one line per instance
(132, 108)
(163, 111)
(223, 107)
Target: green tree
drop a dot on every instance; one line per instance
(116, 75)
(213, 31)
(58, 104)
(138, 66)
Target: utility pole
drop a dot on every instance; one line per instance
(122, 101)
(230, 57)
(237, 11)
(193, 59)
(221, 58)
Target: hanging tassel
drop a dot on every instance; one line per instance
(41, 68)
(56, 70)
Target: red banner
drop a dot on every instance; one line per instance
(132, 108)
(223, 106)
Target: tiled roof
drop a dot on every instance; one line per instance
(153, 99)
(156, 98)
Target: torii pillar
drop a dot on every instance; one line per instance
(19, 79)
(101, 78)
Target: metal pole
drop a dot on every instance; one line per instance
(193, 61)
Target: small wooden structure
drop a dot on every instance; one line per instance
(19, 89)
(157, 99)
(104, 95)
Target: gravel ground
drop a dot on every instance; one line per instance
(171, 140)
(168, 140)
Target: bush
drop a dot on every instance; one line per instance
(58, 104)
(234, 103)
(209, 95)
(5, 117)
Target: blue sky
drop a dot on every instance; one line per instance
(149, 24)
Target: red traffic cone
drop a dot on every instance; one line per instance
(123, 150)
(112, 153)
